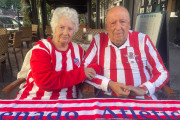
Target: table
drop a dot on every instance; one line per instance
(10, 30)
(90, 109)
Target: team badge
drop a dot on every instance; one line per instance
(131, 57)
(76, 61)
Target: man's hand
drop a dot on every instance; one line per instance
(119, 89)
(90, 73)
(136, 91)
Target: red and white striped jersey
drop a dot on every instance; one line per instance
(53, 74)
(136, 62)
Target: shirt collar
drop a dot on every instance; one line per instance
(126, 44)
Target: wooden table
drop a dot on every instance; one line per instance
(10, 30)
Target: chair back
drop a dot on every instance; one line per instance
(48, 31)
(3, 31)
(4, 43)
(95, 31)
(26, 32)
(17, 39)
(34, 28)
(78, 35)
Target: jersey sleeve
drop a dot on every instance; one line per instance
(90, 58)
(160, 75)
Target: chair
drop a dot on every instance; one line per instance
(10, 91)
(35, 32)
(3, 31)
(48, 31)
(4, 54)
(95, 31)
(78, 35)
(15, 47)
(27, 35)
(12, 88)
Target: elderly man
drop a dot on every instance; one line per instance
(131, 65)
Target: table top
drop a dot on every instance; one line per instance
(10, 29)
(90, 108)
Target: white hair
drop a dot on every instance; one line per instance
(70, 13)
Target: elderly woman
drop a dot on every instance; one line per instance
(55, 63)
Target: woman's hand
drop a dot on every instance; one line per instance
(90, 73)
(119, 89)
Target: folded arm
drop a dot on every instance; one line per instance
(47, 78)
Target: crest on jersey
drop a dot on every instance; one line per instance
(76, 61)
(131, 55)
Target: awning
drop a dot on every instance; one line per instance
(79, 5)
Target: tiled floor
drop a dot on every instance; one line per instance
(174, 62)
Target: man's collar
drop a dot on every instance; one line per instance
(126, 44)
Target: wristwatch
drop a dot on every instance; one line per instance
(144, 88)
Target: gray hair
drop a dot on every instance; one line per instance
(70, 13)
(120, 7)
